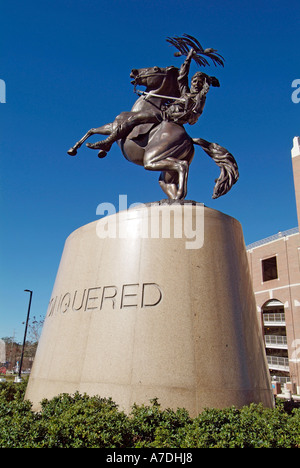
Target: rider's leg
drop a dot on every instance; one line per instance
(123, 129)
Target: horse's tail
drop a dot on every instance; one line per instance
(229, 168)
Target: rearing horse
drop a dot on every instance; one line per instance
(162, 145)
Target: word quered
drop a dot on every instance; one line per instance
(106, 297)
(2, 92)
(296, 94)
(140, 221)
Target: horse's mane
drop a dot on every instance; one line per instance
(171, 79)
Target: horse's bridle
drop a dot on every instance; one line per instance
(144, 93)
(146, 76)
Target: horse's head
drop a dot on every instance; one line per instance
(161, 80)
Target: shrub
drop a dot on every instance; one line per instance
(153, 427)
(250, 427)
(80, 421)
(18, 424)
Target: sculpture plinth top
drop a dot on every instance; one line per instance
(152, 134)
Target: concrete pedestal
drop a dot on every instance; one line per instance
(141, 310)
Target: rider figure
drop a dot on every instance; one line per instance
(185, 109)
(190, 105)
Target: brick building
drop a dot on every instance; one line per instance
(275, 270)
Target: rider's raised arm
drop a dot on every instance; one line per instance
(183, 77)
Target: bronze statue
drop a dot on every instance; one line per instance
(152, 134)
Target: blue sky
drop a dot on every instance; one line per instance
(66, 66)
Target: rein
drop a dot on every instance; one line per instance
(144, 93)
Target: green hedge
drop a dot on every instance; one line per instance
(79, 421)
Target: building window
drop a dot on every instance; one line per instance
(269, 269)
(276, 348)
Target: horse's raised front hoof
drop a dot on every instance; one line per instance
(102, 154)
(72, 152)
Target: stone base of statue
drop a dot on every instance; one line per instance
(154, 302)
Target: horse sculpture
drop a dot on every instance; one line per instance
(157, 143)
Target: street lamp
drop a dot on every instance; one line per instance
(25, 333)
